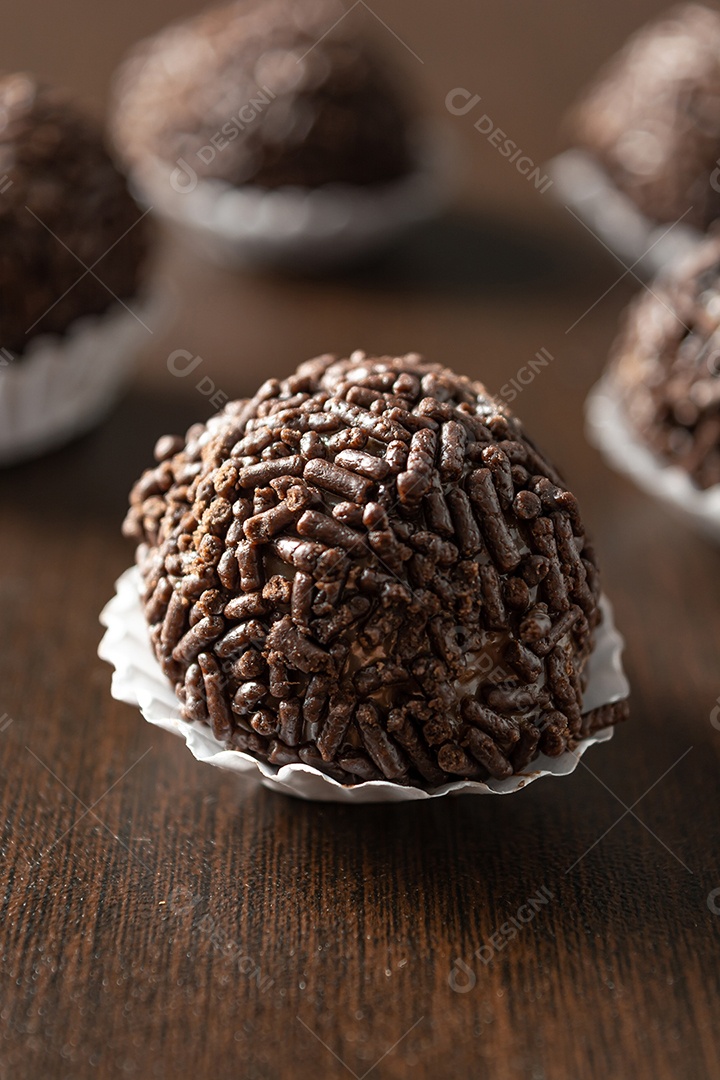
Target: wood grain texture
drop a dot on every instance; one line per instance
(159, 918)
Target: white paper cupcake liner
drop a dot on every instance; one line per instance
(138, 680)
(294, 228)
(608, 430)
(63, 385)
(647, 246)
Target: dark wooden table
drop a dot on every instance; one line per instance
(159, 918)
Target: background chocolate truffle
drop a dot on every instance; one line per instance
(368, 567)
(652, 119)
(276, 93)
(666, 367)
(63, 207)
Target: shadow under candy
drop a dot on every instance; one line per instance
(89, 478)
(463, 254)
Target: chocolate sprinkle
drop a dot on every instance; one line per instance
(393, 615)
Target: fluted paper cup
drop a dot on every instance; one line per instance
(294, 228)
(608, 430)
(646, 246)
(62, 386)
(138, 680)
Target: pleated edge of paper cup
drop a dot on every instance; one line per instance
(65, 383)
(138, 680)
(328, 224)
(609, 431)
(586, 189)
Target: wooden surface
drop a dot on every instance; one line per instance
(161, 919)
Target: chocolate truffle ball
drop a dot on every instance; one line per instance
(368, 567)
(666, 367)
(281, 92)
(652, 120)
(71, 241)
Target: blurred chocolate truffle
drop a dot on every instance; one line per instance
(71, 242)
(652, 119)
(368, 567)
(666, 367)
(273, 93)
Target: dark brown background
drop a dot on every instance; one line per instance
(356, 916)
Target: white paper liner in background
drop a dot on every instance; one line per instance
(609, 430)
(295, 228)
(63, 385)
(647, 246)
(138, 680)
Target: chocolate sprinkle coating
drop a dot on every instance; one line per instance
(59, 179)
(665, 366)
(349, 632)
(265, 92)
(652, 118)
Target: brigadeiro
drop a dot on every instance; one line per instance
(71, 269)
(652, 119)
(275, 127)
(369, 568)
(665, 369)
